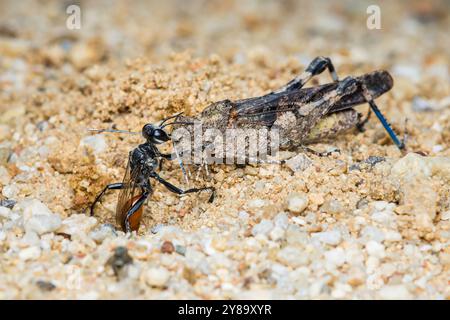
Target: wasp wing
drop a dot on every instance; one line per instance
(129, 192)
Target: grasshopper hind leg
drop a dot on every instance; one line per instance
(316, 67)
(333, 125)
(384, 122)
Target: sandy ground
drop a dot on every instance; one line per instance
(342, 226)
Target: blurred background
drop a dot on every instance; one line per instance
(234, 29)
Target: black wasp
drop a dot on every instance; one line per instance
(141, 167)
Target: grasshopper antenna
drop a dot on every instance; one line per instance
(171, 117)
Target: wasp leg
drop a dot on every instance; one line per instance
(164, 156)
(317, 66)
(135, 208)
(384, 122)
(177, 190)
(112, 186)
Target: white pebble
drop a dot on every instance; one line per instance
(292, 256)
(96, 142)
(445, 216)
(256, 203)
(335, 256)
(156, 277)
(392, 236)
(77, 224)
(10, 191)
(37, 217)
(43, 223)
(297, 203)
(5, 213)
(281, 220)
(31, 253)
(393, 292)
(5, 177)
(243, 215)
(299, 163)
(103, 232)
(276, 234)
(328, 237)
(264, 227)
(375, 249)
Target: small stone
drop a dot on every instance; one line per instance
(297, 203)
(167, 247)
(77, 224)
(328, 237)
(276, 234)
(419, 104)
(299, 163)
(31, 253)
(264, 227)
(394, 292)
(445, 215)
(332, 207)
(8, 203)
(5, 177)
(294, 235)
(371, 233)
(10, 191)
(96, 142)
(335, 256)
(180, 249)
(87, 53)
(256, 203)
(157, 277)
(157, 228)
(43, 223)
(243, 215)
(45, 285)
(119, 260)
(281, 220)
(292, 256)
(375, 249)
(5, 213)
(105, 231)
(5, 133)
(30, 239)
(392, 236)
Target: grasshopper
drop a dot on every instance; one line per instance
(302, 115)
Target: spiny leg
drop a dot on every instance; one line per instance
(317, 66)
(320, 153)
(360, 125)
(135, 208)
(321, 123)
(384, 122)
(177, 190)
(112, 186)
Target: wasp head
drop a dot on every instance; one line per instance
(154, 134)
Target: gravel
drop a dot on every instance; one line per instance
(368, 222)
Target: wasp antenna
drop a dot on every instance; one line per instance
(113, 131)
